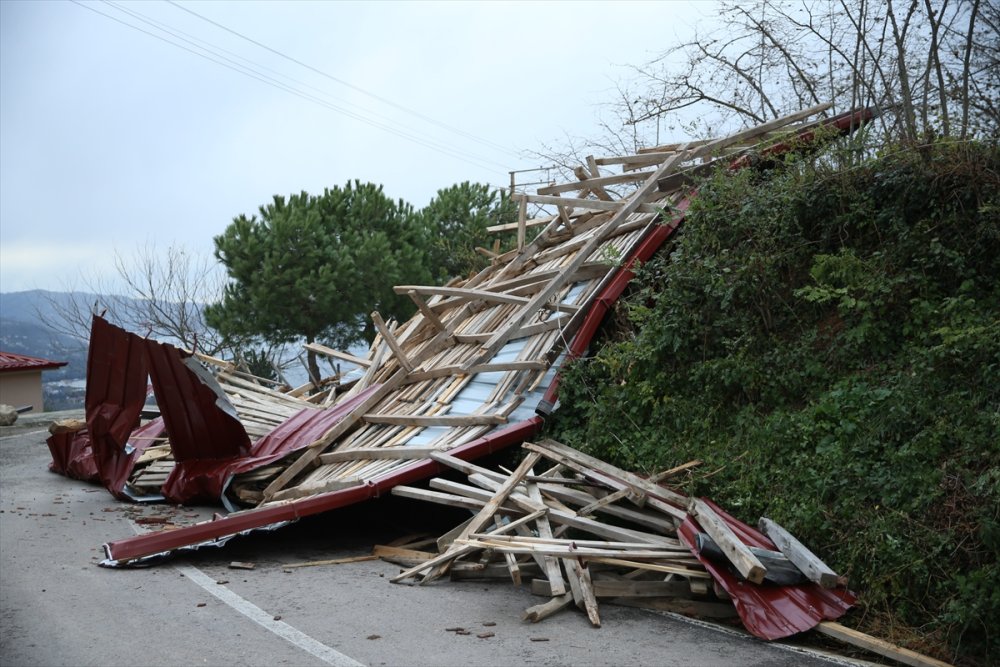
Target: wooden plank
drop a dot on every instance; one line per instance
(604, 180)
(391, 341)
(337, 354)
(876, 645)
(434, 420)
(759, 130)
(738, 553)
(511, 559)
(522, 214)
(511, 226)
(426, 310)
(445, 371)
(815, 570)
(654, 567)
(539, 612)
(313, 488)
(438, 497)
(590, 204)
(376, 454)
(332, 561)
(463, 294)
(586, 591)
(549, 564)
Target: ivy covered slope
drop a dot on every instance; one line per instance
(827, 341)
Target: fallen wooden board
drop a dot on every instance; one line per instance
(875, 645)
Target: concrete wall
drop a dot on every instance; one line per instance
(21, 388)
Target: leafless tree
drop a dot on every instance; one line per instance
(158, 294)
(931, 67)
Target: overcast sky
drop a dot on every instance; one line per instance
(111, 138)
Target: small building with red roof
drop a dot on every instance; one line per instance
(21, 379)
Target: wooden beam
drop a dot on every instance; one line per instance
(391, 341)
(522, 214)
(376, 454)
(815, 570)
(590, 204)
(434, 420)
(337, 354)
(875, 645)
(465, 294)
(604, 180)
(510, 226)
(444, 371)
(436, 497)
(426, 310)
(738, 553)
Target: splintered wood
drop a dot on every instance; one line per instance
(550, 527)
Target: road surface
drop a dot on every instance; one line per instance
(57, 607)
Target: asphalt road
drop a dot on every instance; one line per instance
(57, 607)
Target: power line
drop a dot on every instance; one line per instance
(370, 94)
(254, 74)
(257, 67)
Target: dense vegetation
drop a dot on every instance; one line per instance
(827, 341)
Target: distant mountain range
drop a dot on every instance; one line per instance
(28, 325)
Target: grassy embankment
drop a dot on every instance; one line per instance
(827, 341)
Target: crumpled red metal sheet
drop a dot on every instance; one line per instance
(199, 418)
(116, 392)
(72, 455)
(769, 612)
(196, 479)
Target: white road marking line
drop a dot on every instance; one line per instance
(257, 615)
(21, 435)
(292, 635)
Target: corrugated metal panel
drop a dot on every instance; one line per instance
(116, 392)
(769, 612)
(201, 422)
(206, 479)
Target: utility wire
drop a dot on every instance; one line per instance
(255, 67)
(370, 94)
(281, 86)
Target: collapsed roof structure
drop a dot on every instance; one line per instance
(474, 371)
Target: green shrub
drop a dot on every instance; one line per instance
(828, 343)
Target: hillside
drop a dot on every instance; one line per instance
(827, 341)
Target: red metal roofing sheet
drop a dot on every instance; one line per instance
(22, 362)
(199, 419)
(72, 455)
(116, 393)
(769, 612)
(206, 479)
